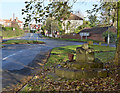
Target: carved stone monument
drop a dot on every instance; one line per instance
(85, 65)
(84, 54)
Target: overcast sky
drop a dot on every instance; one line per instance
(8, 7)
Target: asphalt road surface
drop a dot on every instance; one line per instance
(17, 57)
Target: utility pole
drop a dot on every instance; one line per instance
(108, 29)
(108, 38)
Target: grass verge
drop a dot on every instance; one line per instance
(8, 32)
(12, 37)
(23, 42)
(0, 33)
(60, 54)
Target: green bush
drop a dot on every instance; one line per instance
(8, 32)
(113, 36)
(7, 28)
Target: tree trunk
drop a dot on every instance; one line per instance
(117, 55)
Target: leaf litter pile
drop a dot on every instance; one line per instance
(48, 81)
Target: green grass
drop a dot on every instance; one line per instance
(0, 33)
(60, 54)
(23, 42)
(105, 56)
(1, 46)
(9, 33)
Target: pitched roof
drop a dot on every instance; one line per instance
(17, 21)
(95, 30)
(7, 21)
(1, 20)
(74, 17)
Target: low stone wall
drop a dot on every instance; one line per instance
(71, 36)
(97, 37)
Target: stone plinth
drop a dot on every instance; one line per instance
(85, 65)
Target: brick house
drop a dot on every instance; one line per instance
(95, 33)
(8, 23)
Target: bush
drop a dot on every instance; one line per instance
(7, 28)
(8, 32)
(113, 36)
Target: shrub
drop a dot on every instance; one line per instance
(113, 36)
(7, 28)
(8, 32)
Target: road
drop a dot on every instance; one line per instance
(16, 58)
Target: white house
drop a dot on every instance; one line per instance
(72, 23)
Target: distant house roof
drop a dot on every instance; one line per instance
(95, 30)
(7, 21)
(74, 17)
(17, 21)
(1, 21)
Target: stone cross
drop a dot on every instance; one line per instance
(84, 54)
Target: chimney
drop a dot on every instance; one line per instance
(10, 19)
(16, 19)
(13, 16)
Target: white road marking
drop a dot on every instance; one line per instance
(18, 38)
(11, 55)
(16, 53)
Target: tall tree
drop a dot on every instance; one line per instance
(108, 11)
(92, 16)
(48, 25)
(111, 12)
(35, 10)
(117, 56)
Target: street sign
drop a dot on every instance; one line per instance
(84, 34)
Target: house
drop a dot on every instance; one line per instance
(1, 21)
(95, 33)
(20, 23)
(72, 23)
(8, 23)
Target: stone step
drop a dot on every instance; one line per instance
(78, 74)
(83, 65)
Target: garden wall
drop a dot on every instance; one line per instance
(97, 37)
